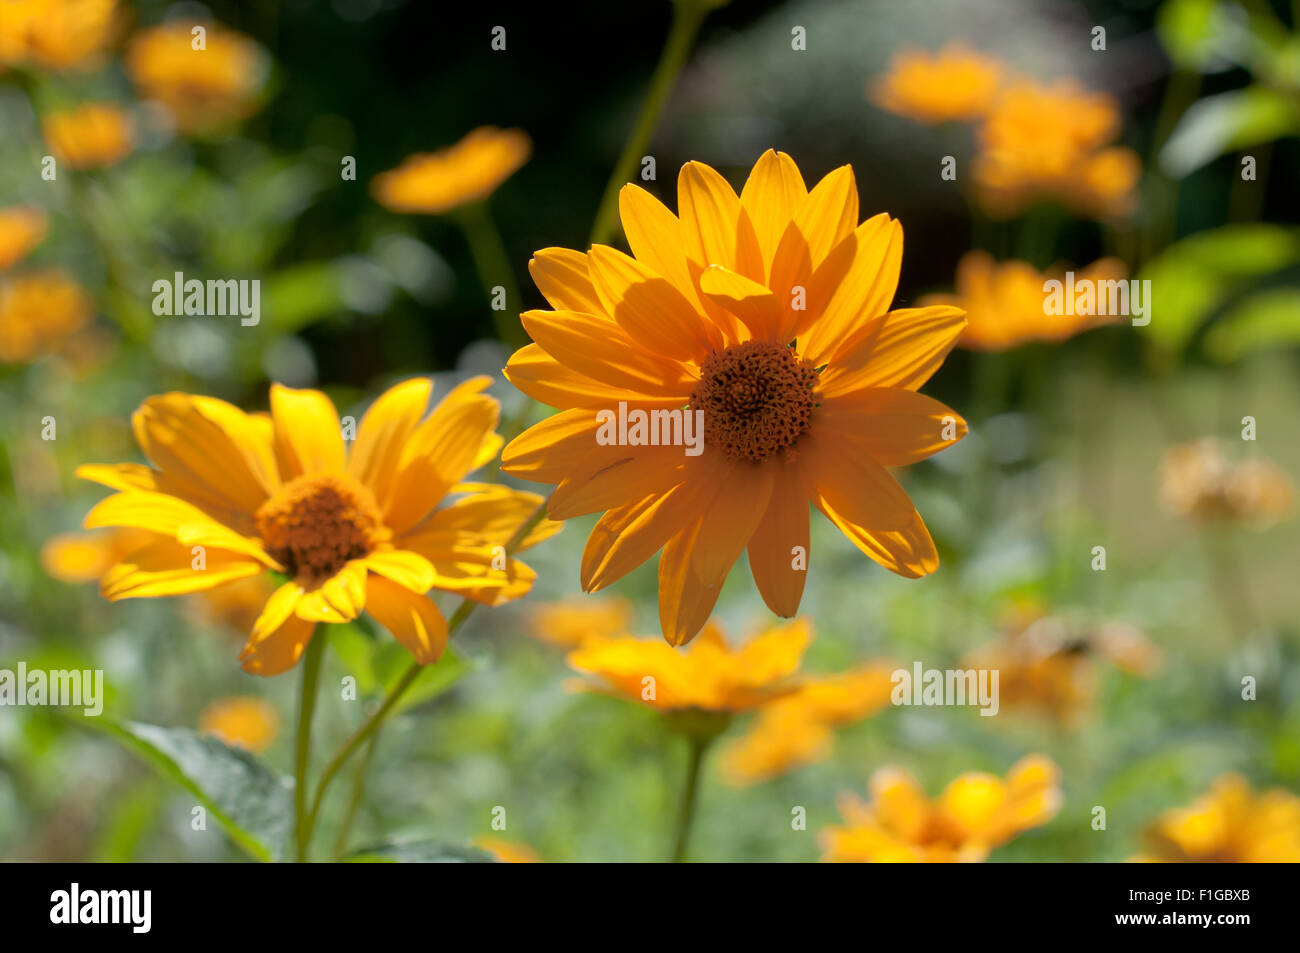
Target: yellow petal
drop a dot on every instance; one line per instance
(279, 650)
(561, 275)
(901, 349)
(648, 307)
(412, 619)
(403, 567)
(166, 568)
(896, 426)
(383, 432)
(308, 437)
(772, 194)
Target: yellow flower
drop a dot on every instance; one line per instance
(507, 852)
(954, 83)
(85, 557)
(1197, 481)
(231, 495)
(90, 136)
(39, 312)
(1230, 824)
(796, 729)
(472, 169)
(201, 89)
(56, 34)
(976, 813)
(241, 722)
(22, 227)
(708, 676)
(1004, 303)
(569, 624)
(701, 323)
(1045, 141)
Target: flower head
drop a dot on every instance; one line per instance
(201, 88)
(22, 227)
(231, 495)
(766, 316)
(89, 137)
(56, 34)
(434, 182)
(39, 313)
(569, 624)
(241, 722)
(954, 83)
(1200, 483)
(1230, 824)
(975, 813)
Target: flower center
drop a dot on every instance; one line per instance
(757, 399)
(316, 523)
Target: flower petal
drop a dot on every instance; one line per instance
(779, 539)
(752, 303)
(404, 567)
(772, 194)
(648, 307)
(896, 426)
(562, 276)
(166, 568)
(308, 438)
(279, 650)
(899, 349)
(384, 430)
(412, 619)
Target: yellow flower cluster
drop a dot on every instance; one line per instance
(1200, 483)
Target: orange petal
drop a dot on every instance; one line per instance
(752, 303)
(308, 438)
(895, 426)
(780, 540)
(772, 194)
(561, 275)
(641, 471)
(852, 297)
(900, 349)
(166, 568)
(279, 650)
(648, 307)
(383, 433)
(547, 381)
(414, 620)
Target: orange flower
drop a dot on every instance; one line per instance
(233, 495)
(1197, 481)
(472, 169)
(766, 317)
(56, 34)
(39, 312)
(90, 136)
(85, 557)
(954, 83)
(22, 227)
(507, 852)
(1005, 303)
(976, 813)
(241, 722)
(1231, 824)
(569, 624)
(202, 89)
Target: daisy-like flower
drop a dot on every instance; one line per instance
(1230, 824)
(1004, 302)
(1200, 483)
(767, 317)
(201, 89)
(231, 495)
(56, 34)
(241, 722)
(89, 137)
(797, 729)
(976, 813)
(22, 228)
(39, 313)
(431, 183)
(954, 83)
(569, 624)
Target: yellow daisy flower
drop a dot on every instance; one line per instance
(472, 169)
(1004, 302)
(1200, 483)
(22, 228)
(570, 623)
(200, 89)
(56, 34)
(39, 313)
(89, 137)
(976, 813)
(766, 316)
(85, 557)
(231, 495)
(954, 83)
(1231, 824)
(241, 722)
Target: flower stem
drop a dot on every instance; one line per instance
(354, 800)
(686, 807)
(302, 753)
(687, 17)
(493, 265)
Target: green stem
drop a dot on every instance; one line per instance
(492, 262)
(302, 754)
(354, 800)
(687, 17)
(686, 807)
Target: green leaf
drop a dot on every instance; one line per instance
(391, 662)
(419, 852)
(1229, 121)
(299, 295)
(251, 800)
(357, 651)
(1263, 320)
(1187, 30)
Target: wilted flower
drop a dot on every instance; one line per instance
(1004, 303)
(1231, 824)
(472, 169)
(1197, 481)
(90, 136)
(241, 722)
(954, 83)
(22, 227)
(976, 813)
(56, 34)
(39, 312)
(569, 624)
(765, 316)
(232, 495)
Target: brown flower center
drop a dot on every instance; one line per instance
(757, 399)
(316, 523)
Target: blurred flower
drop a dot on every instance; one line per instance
(22, 227)
(708, 676)
(954, 83)
(236, 605)
(1004, 302)
(1231, 824)
(507, 852)
(202, 89)
(703, 319)
(90, 136)
(236, 494)
(1197, 481)
(85, 557)
(1045, 141)
(472, 169)
(39, 312)
(55, 34)
(796, 729)
(976, 813)
(569, 624)
(241, 722)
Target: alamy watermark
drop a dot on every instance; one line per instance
(1088, 296)
(65, 688)
(651, 428)
(946, 687)
(226, 297)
